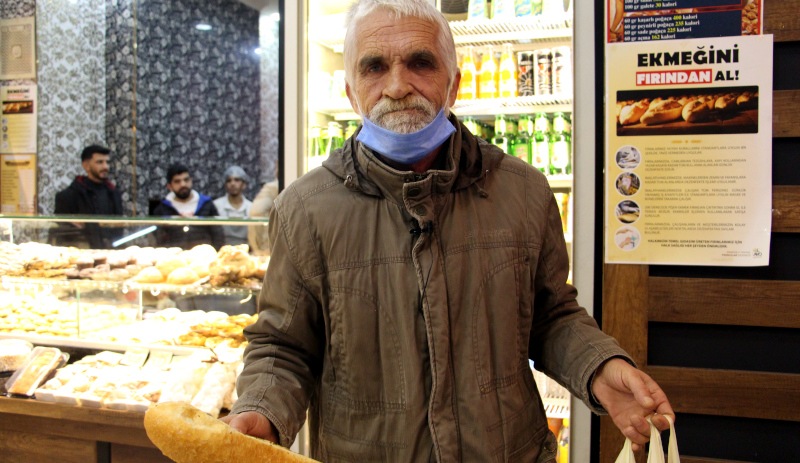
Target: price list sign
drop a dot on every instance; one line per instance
(653, 20)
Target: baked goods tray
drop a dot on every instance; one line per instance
(77, 343)
(201, 287)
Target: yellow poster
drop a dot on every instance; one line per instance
(18, 183)
(18, 119)
(689, 151)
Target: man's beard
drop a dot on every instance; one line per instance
(101, 174)
(183, 193)
(384, 114)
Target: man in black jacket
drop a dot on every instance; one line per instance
(184, 201)
(90, 194)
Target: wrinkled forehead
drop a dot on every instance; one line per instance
(384, 33)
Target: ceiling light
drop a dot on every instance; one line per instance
(203, 27)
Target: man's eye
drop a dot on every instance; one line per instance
(422, 64)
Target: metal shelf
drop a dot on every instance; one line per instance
(329, 31)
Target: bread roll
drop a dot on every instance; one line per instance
(149, 275)
(182, 276)
(725, 102)
(695, 111)
(187, 435)
(662, 112)
(169, 264)
(633, 112)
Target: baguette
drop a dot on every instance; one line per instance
(696, 111)
(662, 112)
(187, 435)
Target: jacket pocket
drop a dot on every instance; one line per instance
(501, 320)
(365, 353)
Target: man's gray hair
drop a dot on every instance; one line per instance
(422, 9)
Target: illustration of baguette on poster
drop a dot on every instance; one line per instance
(689, 151)
(652, 20)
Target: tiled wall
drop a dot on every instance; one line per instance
(205, 99)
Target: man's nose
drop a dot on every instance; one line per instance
(398, 85)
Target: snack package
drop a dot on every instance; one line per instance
(42, 362)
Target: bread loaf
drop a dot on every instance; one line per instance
(695, 111)
(631, 113)
(187, 435)
(661, 112)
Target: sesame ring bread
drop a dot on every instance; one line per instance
(187, 435)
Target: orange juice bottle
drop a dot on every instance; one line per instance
(507, 79)
(468, 88)
(487, 78)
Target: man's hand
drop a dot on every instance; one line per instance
(253, 424)
(630, 395)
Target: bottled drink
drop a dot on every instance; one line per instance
(487, 78)
(525, 73)
(315, 141)
(507, 80)
(563, 442)
(468, 88)
(472, 125)
(501, 138)
(540, 156)
(335, 137)
(521, 147)
(352, 126)
(560, 147)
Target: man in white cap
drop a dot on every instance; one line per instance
(234, 205)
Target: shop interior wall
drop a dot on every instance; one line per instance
(138, 77)
(724, 342)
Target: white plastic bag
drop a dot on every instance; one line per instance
(656, 451)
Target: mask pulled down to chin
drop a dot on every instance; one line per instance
(406, 148)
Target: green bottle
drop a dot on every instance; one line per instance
(540, 153)
(522, 147)
(560, 147)
(352, 126)
(501, 137)
(335, 137)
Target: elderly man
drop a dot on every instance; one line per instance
(415, 274)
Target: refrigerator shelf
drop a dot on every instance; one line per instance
(340, 110)
(515, 105)
(329, 31)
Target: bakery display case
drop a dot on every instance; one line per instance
(89, 338)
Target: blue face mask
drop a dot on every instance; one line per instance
(406, 148)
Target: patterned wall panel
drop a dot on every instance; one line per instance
(17, 8)
(270, 67)
(197, 93)
(120, 101)
(71, 79)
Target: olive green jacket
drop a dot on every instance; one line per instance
(402, 309)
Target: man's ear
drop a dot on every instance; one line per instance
(451, 98)
(352, 98)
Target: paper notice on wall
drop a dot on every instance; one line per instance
(652, 20)
(18, 48)
(18, 183)
(18, 119)
(689, 152)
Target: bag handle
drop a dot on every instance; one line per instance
(656, 454)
